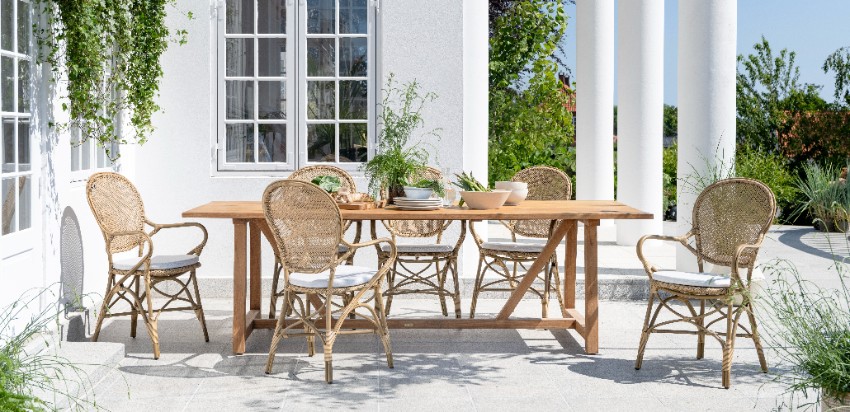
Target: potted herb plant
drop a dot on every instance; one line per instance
(398, 158)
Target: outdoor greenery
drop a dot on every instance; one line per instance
(825, 197)
(109, 51)
(29, 368)
(436, 185)
(669, 159)
(330, 184)
(772, 170)
(530, 118)
(397, 158)
(808, 327)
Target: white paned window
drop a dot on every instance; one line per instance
(16, 172)
(295, 84)
(88, 156)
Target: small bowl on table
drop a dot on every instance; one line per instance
(485, 200)
(418, 193)
(519, 191)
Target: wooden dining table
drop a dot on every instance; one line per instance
(249, 225)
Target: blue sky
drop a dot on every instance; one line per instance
(812, 28)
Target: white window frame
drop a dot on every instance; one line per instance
(20, 241)
(95, 151)
(296, 92)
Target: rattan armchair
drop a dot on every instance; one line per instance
(544, 183)
(118, 209)
(730, 220)
(307, 228)
(422, 268)
(307, 174)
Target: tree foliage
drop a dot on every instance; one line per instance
(839, 62)
(530, 121)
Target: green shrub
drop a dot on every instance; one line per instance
(670, 159)
(825, 197)
(771, 169)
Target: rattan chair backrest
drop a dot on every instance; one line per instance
(729, 213)
(418, 228)
(117, 207)
(308, 173)
(544, 183)
(306, 224)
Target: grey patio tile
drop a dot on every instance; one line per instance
(530, 403)
(427, 401)
(580, 401)
(162, 404)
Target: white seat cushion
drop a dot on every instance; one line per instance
(705, 280)
(513, 247)
(345, 276)
(158, 262)
(427, 248)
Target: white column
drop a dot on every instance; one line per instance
(475, 111)
(640, 114)
(595, 99)
(707, 36)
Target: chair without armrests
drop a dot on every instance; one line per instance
(308, 227)
(119, 211)
(730, 220)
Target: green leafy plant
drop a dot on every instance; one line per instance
(530, 102)
(669, 168)
(29, 368)
(109, 51)
(771, 169)
(436, 185)
(808, 327)
(826, 198)
(466, 182)
(397, 159)
(330, 184)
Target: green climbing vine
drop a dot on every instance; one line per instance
(105, 57)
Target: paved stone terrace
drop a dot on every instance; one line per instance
(455, 370)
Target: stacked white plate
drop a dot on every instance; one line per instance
(417, 204)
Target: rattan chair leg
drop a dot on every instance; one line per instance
(556, 277)
(151, 321)
(456, 295)
(728, 347)
(328, 343)
(198, 306)
(479, 277)
(391, 285)
(700, 321)
(382, 321)
(134, 314)
(755, 336)
(103, 308)
(278, 333)
(644, 336)
(512, 276)
(547, 289)
(441, 282)
(311, 339)
(275, 280)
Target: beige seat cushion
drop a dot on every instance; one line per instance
(513, 247)
(346, 276)
(426, 248)
(705, 280)
(158, 262)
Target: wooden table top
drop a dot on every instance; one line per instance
(529, 209)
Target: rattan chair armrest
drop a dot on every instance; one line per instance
(647, 266)
(194, 251)
(354, 246)
(142, 258)
(739, 250)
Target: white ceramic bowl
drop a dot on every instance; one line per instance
(519, 191)
(485, 200)
(508, 185)
(418, 193)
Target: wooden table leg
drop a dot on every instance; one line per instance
(255, 262)
(570, 256)
(591, 293)
(538, 264)
(240, 257)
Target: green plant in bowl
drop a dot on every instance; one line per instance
(435, 185)
(330, 184)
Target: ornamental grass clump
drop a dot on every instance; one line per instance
(827, 197)
(32, 376)
(808, 327)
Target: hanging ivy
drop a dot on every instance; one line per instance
(106, 56)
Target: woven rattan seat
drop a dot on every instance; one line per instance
(307, 227)
(730, 219)
(509, 259)
(439, 260)
(118, 209)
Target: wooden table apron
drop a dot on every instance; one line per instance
(249, 223)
